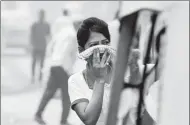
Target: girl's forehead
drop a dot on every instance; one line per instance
(94, 36)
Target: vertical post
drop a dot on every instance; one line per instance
(146, 61)
(127, 29)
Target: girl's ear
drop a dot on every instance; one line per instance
(81, 49)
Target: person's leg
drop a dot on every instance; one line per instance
(42, 58)
(33, 66)
(65, 96)
(48, 94)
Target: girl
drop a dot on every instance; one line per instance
(89, 89)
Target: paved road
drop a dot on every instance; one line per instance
(19, 110)
(20, 98)
(15, 73)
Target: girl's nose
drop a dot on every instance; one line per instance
(100, 42)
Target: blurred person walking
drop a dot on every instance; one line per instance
(59, 23)
(40, 31)
(63, 53)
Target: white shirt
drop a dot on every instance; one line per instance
(79, 92)
(65, 50)
(62, 51)
(60, 23)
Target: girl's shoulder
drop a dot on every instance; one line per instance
(76, 76)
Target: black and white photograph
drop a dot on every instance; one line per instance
(94, 62)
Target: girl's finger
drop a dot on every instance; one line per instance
(108, 59)
(104, 58)
(96, 57)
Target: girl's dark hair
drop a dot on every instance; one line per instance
(91, 24)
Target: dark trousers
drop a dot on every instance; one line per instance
(58, 79)
(38, 56)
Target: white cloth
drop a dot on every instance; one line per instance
(128, 7)
(129, 99)
(88, 52)
(151, 100)
(114, 32)
(79, 91)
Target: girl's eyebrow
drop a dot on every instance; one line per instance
(105, 40)
(94, 42)
(98, 41)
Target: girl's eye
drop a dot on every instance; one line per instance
(93, 44)
(106, 42)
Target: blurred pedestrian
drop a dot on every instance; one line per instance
(40, 31)
(63, 51)
(59, 23)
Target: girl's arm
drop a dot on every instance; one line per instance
(89, 112)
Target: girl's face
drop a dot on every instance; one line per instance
(96, 39)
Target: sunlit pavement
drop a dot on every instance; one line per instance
(20, 98)
(20, 109)
(15, 71)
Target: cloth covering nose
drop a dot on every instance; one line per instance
(88, 52)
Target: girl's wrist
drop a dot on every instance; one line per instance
(100, 81)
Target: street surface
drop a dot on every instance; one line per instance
(20, 98)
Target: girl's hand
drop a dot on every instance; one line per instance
(134, 56)
(100, 65)
(135, 76)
